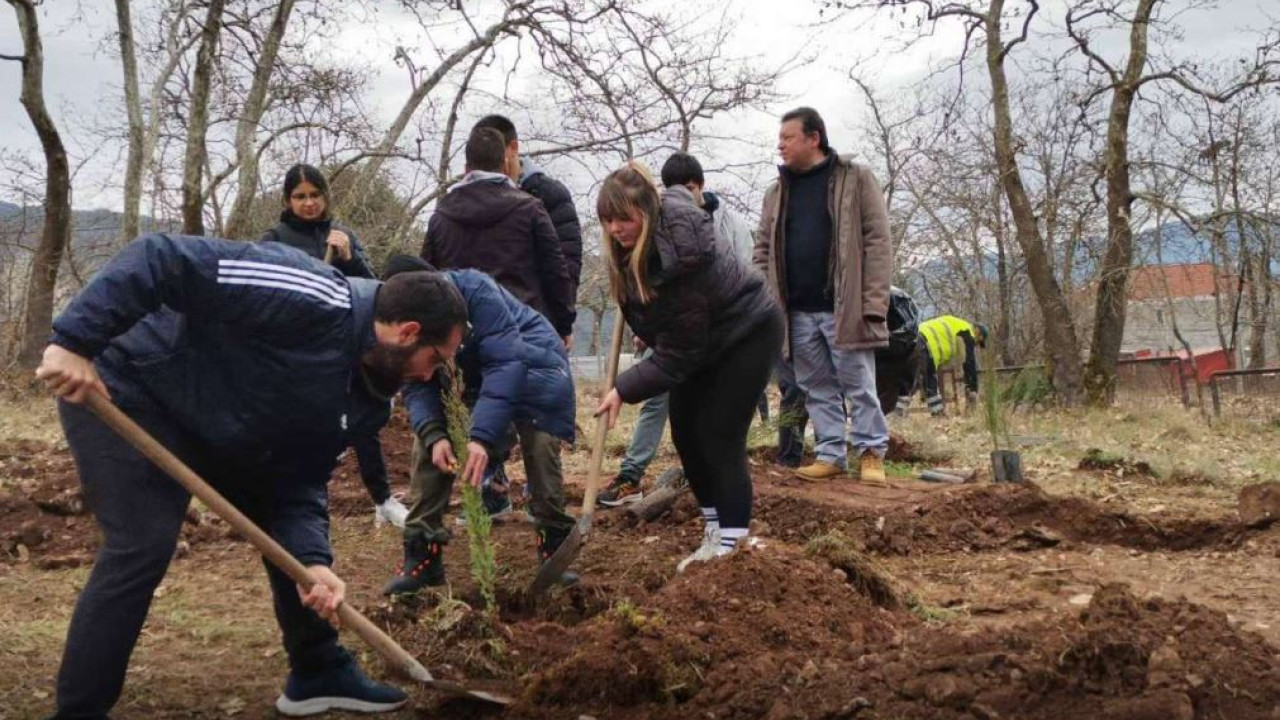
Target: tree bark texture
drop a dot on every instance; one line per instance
(133, 109)
(55, 237)
(247, 126)
(1062, 343)
(1113, 280)
(198, 122)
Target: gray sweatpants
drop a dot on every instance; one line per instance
(832, 377)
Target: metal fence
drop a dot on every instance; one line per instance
(1152, 378)
(1246, 393)
(1252, 394)
(1137, 379)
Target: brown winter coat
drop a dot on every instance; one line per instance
(862, 261)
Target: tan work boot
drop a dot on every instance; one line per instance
(871, 471)
(819, 470)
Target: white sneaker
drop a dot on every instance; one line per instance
(709, 549)
(392, 511)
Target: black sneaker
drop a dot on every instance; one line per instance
(622, 491)
(423, 567)
(496, 502)
(342, 687)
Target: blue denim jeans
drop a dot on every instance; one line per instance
(833, 378)
(647, 435)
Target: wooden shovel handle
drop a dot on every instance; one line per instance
(602, 423)
(115, 419)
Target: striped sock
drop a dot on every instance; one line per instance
(729, 538)
(711, 518)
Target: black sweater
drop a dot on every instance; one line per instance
(808, 239)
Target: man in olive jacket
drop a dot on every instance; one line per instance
(824, 247)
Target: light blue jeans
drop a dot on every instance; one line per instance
(647, 435)
(831, 378)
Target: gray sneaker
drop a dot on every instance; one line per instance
(622, 491)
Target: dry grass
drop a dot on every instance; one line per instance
(865, 574)
(29, 416)
(1196, 464)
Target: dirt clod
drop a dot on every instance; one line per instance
(1259, 505)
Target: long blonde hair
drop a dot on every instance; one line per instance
(629, 190)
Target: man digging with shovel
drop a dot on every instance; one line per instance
(241, 360)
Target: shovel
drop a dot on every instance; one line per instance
(391, 651)
(557, 564)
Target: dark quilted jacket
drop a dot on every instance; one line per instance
(556, 199)
(707, 299)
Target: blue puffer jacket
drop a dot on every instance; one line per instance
(249, 348)
(513, 357)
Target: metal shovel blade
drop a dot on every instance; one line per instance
(414, 670)
(559, 562)
(456, 690)
(563, 559)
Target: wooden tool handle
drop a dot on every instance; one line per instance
(115, 419)
(602, 423)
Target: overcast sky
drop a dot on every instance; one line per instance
(82, 75)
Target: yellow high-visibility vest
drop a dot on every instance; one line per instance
(942, 336)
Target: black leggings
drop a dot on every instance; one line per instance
(710, 415)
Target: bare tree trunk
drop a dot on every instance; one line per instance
(1061, 340)
(175, 47)
(198, 123)
(246, 128)
(56, 235)
(1113, 282)
(1261, 321)
(133, 108)
(1257, 318)
(1004, 325)
(1173, 320)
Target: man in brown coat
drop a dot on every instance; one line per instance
(824, 247)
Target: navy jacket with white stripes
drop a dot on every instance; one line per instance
(514, 367)
(249, 348)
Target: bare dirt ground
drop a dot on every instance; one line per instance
(1104, 592)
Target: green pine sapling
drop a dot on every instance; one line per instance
(484, 569)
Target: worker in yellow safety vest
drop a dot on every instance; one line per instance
(950, 340)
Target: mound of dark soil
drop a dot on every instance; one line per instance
(732, 638)
(43, 516)
(1123, 658)
(990, 517)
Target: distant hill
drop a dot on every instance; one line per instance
(95, 234)
(1177, 245)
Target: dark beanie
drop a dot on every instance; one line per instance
(401, 263)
